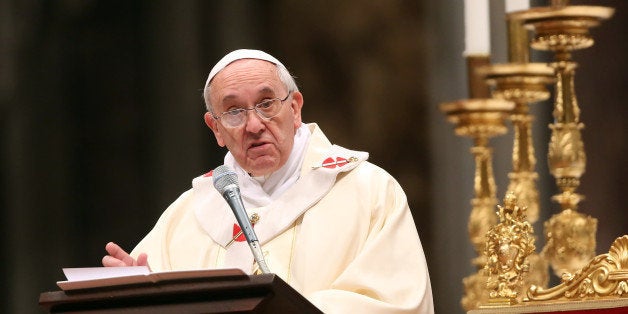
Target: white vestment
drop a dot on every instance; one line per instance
(342, 235)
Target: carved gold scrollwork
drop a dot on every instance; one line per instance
(605, 275)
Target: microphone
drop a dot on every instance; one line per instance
(226, 182)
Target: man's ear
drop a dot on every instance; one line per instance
(212, 124)
(296, 104)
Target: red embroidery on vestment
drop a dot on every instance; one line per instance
(331, 163)
(236, 230)
(238, 235)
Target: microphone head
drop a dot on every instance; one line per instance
(223, 176)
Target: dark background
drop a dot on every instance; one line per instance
(101, 118)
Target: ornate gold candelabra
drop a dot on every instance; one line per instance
(479, 119)
(560, 28)
(509, 246)
(523, 83)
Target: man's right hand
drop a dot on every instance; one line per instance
(118, 257)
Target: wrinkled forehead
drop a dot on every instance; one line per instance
(247, 69)
(245, 76)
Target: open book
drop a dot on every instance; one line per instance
(93, 277)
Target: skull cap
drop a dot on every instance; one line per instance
(238, 55)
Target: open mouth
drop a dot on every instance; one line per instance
(258, 149)
(257, 144)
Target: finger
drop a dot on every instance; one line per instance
(110, 261)
(142, 260)
(117, 252)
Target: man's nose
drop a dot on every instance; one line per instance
(254, 123)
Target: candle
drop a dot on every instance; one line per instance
(517, 5)
(476, 24)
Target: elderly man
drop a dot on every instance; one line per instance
(332, 225)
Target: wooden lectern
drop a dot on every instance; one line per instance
(224, 293)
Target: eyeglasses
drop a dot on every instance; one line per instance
(266, 110)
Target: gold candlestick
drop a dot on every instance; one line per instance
(479, 119)
(523, 83)
(562, 29)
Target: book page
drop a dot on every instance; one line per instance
(94, 277)
(90, 273)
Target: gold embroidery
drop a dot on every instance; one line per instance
(294, 241)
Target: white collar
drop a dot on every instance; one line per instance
(260, 191)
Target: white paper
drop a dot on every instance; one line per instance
(94, 277)
(91, 273)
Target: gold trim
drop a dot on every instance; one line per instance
(296, 224)
(543, 307)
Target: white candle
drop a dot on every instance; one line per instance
(517, 5)
(476, 25)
